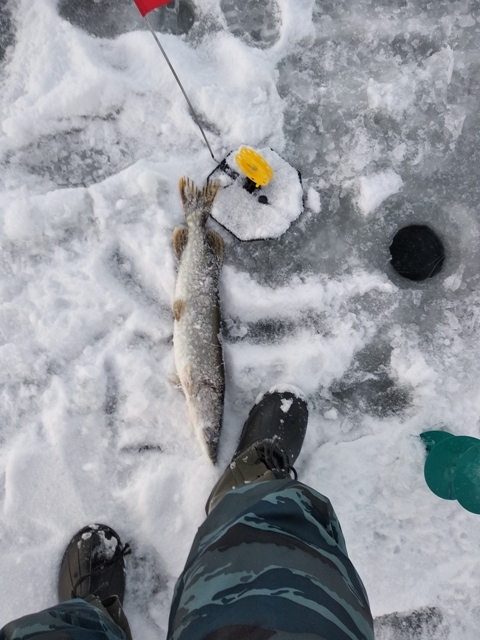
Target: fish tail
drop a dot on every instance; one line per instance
(197, 203)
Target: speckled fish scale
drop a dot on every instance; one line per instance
(196, 308)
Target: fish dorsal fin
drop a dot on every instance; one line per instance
(180, 239)
(217, 244)
(174, 380)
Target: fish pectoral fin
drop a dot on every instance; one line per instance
(198, 387)
(180, 239)
(178, 308)
(216, 244)
(187, 380)
(174, 380)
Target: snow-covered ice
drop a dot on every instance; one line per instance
(375, 102)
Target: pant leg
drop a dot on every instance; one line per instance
(71, 620)
(270, 562)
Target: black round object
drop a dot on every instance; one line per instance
(417, 252)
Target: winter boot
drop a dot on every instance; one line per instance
(93, 568)
(271, 441)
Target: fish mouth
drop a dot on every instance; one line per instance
(207, 417)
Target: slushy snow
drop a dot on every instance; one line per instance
(375, 102)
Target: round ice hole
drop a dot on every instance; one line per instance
(417, 252)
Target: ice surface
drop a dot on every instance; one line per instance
(94, 136)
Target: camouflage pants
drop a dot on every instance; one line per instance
(269, 562)
(72, 620)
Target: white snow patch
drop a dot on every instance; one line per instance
(286, 404)
(313, 200)
(376, 188)
(282, 388)
(331, 414)
(287, 388)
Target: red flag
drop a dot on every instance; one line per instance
(144, 6)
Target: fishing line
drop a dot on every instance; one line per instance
(269, 205)
(180, 85)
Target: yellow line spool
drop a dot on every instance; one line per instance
(254, 166)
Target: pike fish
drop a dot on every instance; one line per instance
(196, 308)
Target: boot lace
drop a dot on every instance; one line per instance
(120, 552)
(276, 460)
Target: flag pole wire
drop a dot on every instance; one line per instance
(180, 85)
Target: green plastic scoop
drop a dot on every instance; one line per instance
(441, 463)
(466, 480)
(431, 438)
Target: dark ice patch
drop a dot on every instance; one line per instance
(124, 269)
(145, 575)
(111, 18)
(6, 29)
(104, 18)
(142, 448)
(422, 624)
(272, 330)
(267, 331)
(112, 392)
(68, 158)
(377, 396)
(367, 386)
(176, 18)
(256, 23)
